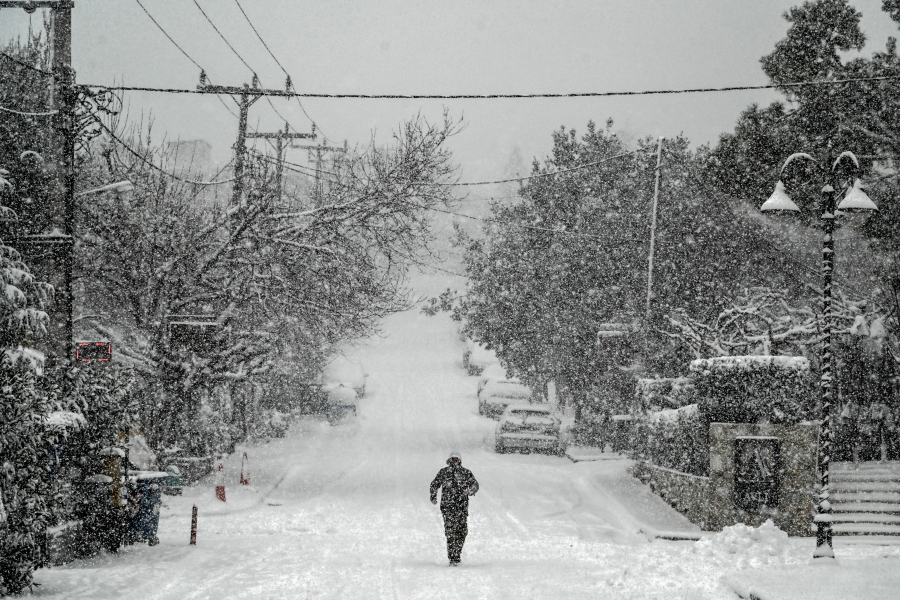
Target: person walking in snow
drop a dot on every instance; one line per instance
(456, 484)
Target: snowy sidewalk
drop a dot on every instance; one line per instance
(590, 453)
(876, 578)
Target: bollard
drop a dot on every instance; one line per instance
(245, 480)
(194, 526)
(220, 484)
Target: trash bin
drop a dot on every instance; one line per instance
(148, 489)
(106, 522)
(172, 485)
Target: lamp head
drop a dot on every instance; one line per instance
(779, 201)
(857, 200)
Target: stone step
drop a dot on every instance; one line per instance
(891, 465)
(891, 468)
(858, 476)
(870, 507)
(864, 486)
(865, 529)
(864, 518)
(893, 497)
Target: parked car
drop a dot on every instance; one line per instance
(497, 394)
(342, 405)
(529, 427)
(342, 371)
(493, 372)
(476, 358)
(277, 423)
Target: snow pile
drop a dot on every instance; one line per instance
(753, 545)
(139, 452)
(493, 371)
(64, 419)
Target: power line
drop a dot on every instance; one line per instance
(449, 272)
(26, 65)
(149, 163)
(182, 50)
(474, 183)
(29, 114)
(539, 175)
(485, 220)
(518, 96)
(236, 53)
(160, 27)
(227, 43)
(533, 227)
(266, 46)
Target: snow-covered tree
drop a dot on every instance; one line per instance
(25, 486)
(270, 274)
(572, 255)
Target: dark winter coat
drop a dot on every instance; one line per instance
(453, 483)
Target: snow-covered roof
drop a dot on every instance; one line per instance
(671, 414)
(747, 363)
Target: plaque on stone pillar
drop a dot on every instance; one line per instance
(757, 472)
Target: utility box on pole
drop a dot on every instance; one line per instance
(193, 333)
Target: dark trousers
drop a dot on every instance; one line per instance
(456, 529)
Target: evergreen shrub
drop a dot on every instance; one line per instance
(753, 389)
(25, 489)
(101, 394)
(675, 439)
(660, 393)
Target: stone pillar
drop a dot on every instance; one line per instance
(794, 509)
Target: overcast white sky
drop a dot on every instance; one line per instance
(452, 47)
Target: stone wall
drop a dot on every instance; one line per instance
(710, 501)
(686, 493)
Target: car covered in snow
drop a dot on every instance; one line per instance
(342, 405)
(476, 358)
(497, 394)
(492, 372)
(346, 372)
(529, 427)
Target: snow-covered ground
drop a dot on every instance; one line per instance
(343, 512)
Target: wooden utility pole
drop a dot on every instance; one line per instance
(279, 138)
(320, 150)
(63, 100)
(247, 98)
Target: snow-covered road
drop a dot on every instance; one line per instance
(343, 512)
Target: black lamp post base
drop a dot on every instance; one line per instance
(823, 545)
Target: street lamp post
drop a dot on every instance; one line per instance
(855, 200)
